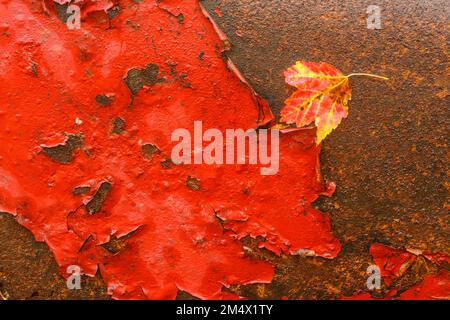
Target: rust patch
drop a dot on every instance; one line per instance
(63, 153)
(118, 125)
(104, 100)
(115, 245)
(138, 77)
(193, 183)
(81, 190)
(95, 204)
(149, 150)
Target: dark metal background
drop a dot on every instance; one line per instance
(389, 158)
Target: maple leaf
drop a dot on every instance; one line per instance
(322, 96)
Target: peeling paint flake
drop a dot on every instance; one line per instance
(409, 274)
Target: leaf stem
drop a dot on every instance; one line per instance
(367, 75)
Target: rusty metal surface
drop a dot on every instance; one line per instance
(389, 158)
(28, 269)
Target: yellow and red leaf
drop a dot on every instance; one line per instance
(322, 97)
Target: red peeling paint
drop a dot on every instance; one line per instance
(435, 286)
(74, 171)
(394, 263)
